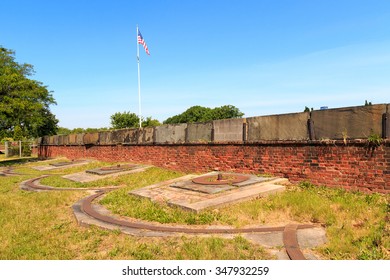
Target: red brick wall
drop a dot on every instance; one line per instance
(351, 166)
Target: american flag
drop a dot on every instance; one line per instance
(142, 42)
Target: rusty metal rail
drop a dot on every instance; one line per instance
(289, 231)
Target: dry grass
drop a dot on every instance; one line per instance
(42, 226)
(356, 223)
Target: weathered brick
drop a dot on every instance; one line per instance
(333, 165)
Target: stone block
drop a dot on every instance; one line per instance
(91, 138)
(72, 139)
(349, 122)
(171, 133)
(386, 123)
(278, 127)
(54, 140)
(80, 139)
(126, 136)
(65, 139)
(199, 132)
(146, 135)
(229, 130)
(118, 136)
(132, 136)
(60, 140)
(105, 138)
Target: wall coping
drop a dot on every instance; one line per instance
(325, 142)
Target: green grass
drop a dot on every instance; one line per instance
(42, 226)
(131, 181)
(355, 222)
(120, 202)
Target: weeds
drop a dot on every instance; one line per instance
(355, 222)
(374, 139)
(42, 226)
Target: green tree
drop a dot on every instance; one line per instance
(225, 112)
(131, 120)
(149, 122)
(23, 102)
(18, 133)
(124, 120)
(203, 114)
(67, 131)
(63, 131)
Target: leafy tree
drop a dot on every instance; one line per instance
(89, 129)
(124, 120)
(18, 133)
(192, 114)
(63, 131)
(77, 130)
(225, 112)
(67, 131)
(149, 122)
(23, 102)
(131, 120)
(203, 114)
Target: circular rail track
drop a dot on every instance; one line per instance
(290, 240)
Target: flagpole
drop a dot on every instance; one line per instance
(139, 83)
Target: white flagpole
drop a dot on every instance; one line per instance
(139, 83)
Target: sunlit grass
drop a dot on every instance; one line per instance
(42, 226)
(355, 222)
(131, 181)
(120, 202)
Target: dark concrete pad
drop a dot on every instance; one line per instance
(210, 189)
(217, 188)
(112, 169)
(184, 193)
(66, 163)
(60, 165)
(84, 177)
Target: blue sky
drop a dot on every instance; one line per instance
(264, 56)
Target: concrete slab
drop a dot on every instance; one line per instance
(311, 237)
(211, 188)
(171, 133)
(54, 166)
(199, 132)
(307, 239)
(84, 177)
(267, 239)
(235, 196)
(229, 130)
(278, 127)
(201, 188)
(197, 199)
(106, 170)
(348, 122)
(146, 135)
(66, 163)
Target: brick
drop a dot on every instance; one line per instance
(336, 166)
